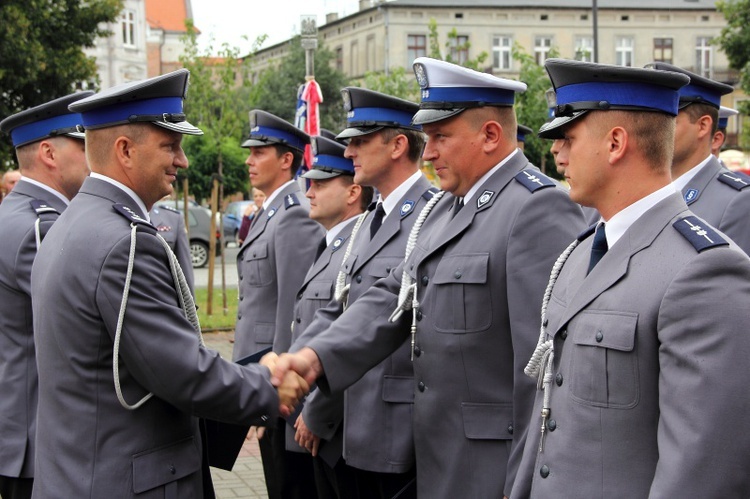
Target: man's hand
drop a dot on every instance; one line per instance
(291, 390)
(269, 360)
(305, 438)
(305, 363)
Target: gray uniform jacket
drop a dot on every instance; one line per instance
(171, 226)
(316, 291)
(480, 279)
(89, 445)
(722, 198)
(377, 430)
(273, 261)
(650, 383)
(18, 374)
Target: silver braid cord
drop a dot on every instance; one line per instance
(341, 292)
(540, 364)
(408, 291)
(184, 295)
(38, 233)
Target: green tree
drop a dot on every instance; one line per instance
(531, 108)
(41, 49)
(276, 89)
(213, 104)
(735, 42)
(452, 45)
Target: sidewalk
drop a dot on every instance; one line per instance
(246, 479)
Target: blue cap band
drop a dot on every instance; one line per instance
(625, 94)
(723, 122)
(41, 129)
(379, 115)
(333, 162)
(521, 137)
(691, 90)
(262, 132)
(120, 112)
(458, 95)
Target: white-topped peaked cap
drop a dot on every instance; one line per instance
(156, 100)
(448, 89)
(724, 114)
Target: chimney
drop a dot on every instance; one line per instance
(332, 16)
(365, 4)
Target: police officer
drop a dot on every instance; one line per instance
(171, 226)
(385, 149)
(272, 264)
(123, 372)
(717, 195)
(50, 150)
(523, 131)
(644, 328)
(721, 131)
(469, 286)
(336, 202)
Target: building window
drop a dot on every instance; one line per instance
(542, 45)
(501, 55)
(416, 46)
(624, 51)
(370, 63)
(584, 49)
(459, 47)
(663, 50)
(127, 22)
(354, 58)
(704, 57)
(339, 58)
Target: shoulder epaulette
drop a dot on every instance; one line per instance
(430, 192)
(42, 207)
(586, 233)
(698, 233)
(534, 180)
(165, 207)
(734, 180)
(131, 215)
(290, 200)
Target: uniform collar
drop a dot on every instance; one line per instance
(621, 221)
(483, 179)
(684, 179)
(46, 188)
(130, 192)
(389, 203)
(270, 199)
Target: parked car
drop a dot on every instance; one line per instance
(199, 230)
(233, 219)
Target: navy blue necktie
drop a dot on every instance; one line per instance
(599, 247)
(458, 203)
(377, 219)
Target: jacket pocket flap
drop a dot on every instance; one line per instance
(462, 269)
(487, 421)
(382, 266)
(398, 389)
(158, 467)
(615, 330)
(348, 264)
(257, 251)
(319, 290)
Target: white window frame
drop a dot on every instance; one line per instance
(584, 49)
(502, 52)
(128, 28)
(704, 56)
(542, 47)
(625, 51)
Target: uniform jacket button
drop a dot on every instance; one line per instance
(172, 469)
(552, 425)
(564, 334)
(559, 379)
(299, 320)
(421, 386)
(510, 428)
(544, 471)
(358, 278)
(417, 351)
(419, 315)
(599, 336)
(425, 280)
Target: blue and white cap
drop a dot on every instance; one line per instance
(448, 89)
(328, 159)
(156, 100)
(267, 129)
(522, 132)
(584, 86)
(50, 119)
(724, 114)
(700, 90)
(368, 111)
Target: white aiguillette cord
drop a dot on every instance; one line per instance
(187, 303)
(540, 364)
(407, 294)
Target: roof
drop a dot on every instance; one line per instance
(168, 15)
(582, 4)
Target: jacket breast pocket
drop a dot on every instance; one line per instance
(256, 266)
(604, 365)
(382, 266)
(487, 421)
(161, 466)
(462, 301)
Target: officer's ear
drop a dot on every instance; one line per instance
(124, 149)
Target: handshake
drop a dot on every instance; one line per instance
(292, 374)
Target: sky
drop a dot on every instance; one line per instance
(228, 20)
